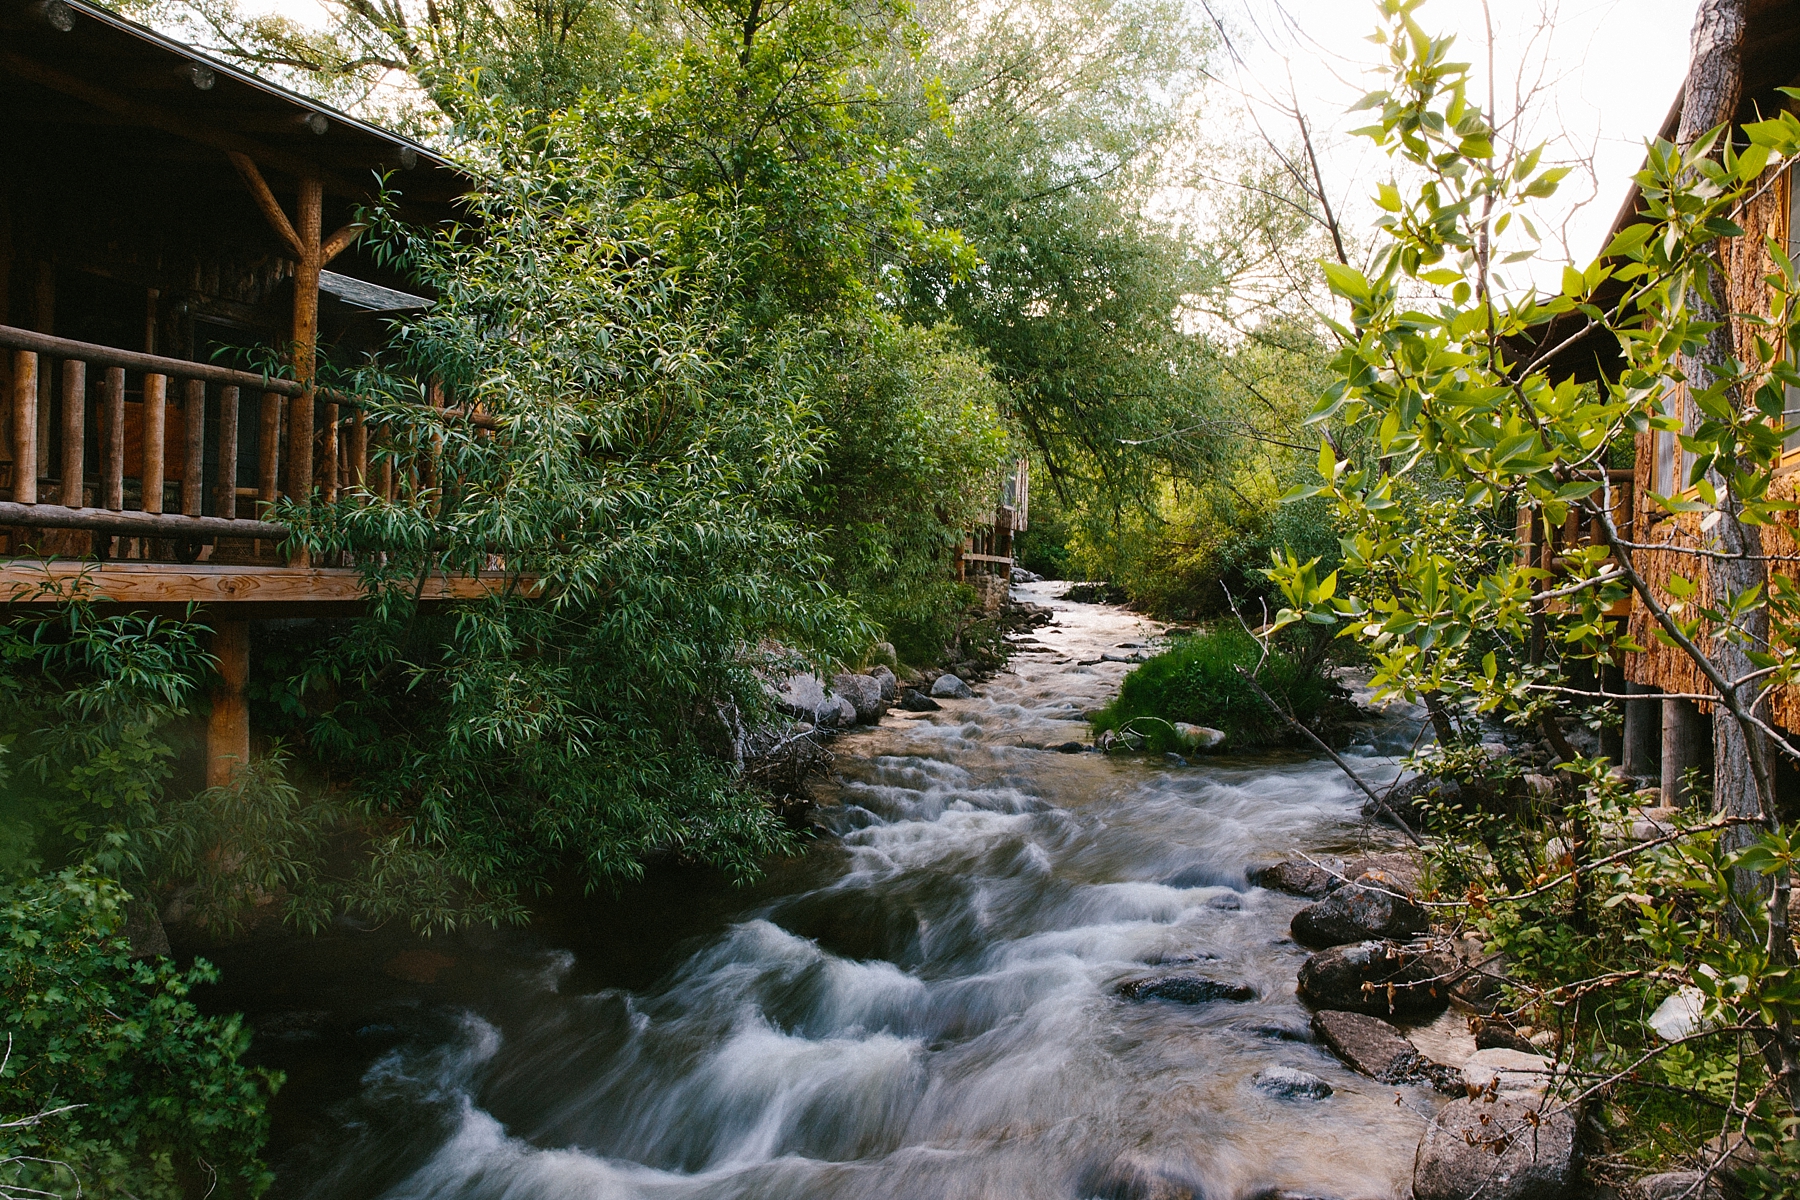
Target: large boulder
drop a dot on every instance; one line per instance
(916, 701)
(1375, 906)
(890, 686)
(864, 694)
(838, 713)
(1500, 1148)
(1295, 878)
(951, 688)
(1382, 979)
(1185, 989)
(1368, 1045)
(1507, 1072)
(803, 696)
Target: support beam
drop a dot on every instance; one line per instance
(1643, 732)
(1685, 736)
(228, 726)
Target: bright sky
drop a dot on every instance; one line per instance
(1606, 72)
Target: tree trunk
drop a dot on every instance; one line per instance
(1714, 83)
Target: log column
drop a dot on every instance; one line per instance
(1643, 732)
(228, 728)
(1685, 735)
(311, 251)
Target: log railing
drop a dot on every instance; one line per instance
(1580, 529)
(132, 445)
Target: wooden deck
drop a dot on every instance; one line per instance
(232, 592)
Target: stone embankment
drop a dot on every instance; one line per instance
(1378, 973)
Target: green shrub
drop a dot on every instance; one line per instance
(1197, 681)
(114, 1084)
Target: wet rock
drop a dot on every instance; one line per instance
(1507, 1072)
(1174, 759)
(1292, 1082)
(1412, 798)
(1128, 1181)
(1480, 987)
(1676, 1185)
(1198, 737)
(1225, 902)
(1185, 989)
(1368, 1045)
(1280, 1031)
(915, 701)
(144, 931)
(803, 696)
(890, 686)
(1294, 878)
(1021, 575)
(950, 687)
(838, 713)
(1490, 1035)
(1499, 1149)
(1382, 979)
(864, 694)
(1372, 907)
(292, 1025)
(1069, 748)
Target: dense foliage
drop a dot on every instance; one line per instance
(1200, 680)
(113, 1083)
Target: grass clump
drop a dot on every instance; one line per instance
(1197, 681)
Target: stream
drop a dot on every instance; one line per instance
(923, 1005)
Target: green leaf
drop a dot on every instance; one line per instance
(1346, 281)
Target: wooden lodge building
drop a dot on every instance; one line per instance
(1665, 738)
(155, 207)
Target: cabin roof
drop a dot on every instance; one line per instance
(1771, 60)
(120, 88)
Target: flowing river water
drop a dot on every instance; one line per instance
(923, 1006)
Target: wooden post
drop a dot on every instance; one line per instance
(156, 412)
(268, 457)
(228, 727)
(328, 454)
(359, 451)
(25, 426)
(1643, 732)
(74, 421)
(268, 453)
(193, 463)
(225, 503)
(305, 339)
(112, 439)
(1684, 733)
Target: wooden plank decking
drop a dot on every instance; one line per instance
(237, 592)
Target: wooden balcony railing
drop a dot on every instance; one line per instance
(136, 445)
(1580, 529)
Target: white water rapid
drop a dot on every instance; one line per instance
(938, 1017)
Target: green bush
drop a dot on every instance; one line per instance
(114, 1084)
(1197, 681)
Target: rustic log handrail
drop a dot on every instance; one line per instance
(137, 524)
(13, 338)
